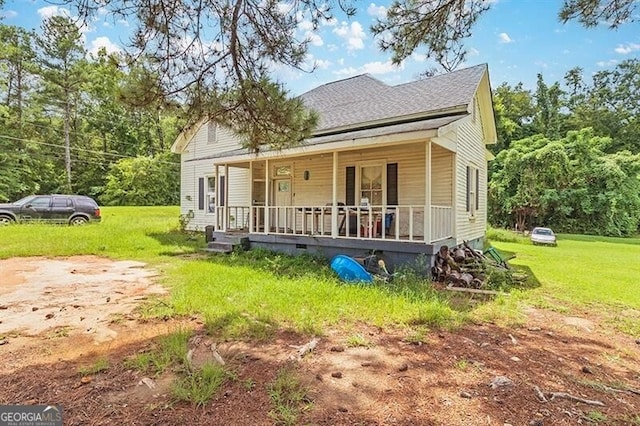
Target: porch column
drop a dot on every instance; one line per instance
(267, 220)
(334, 197)
(427, 193)
(251, 212)
(454, 201)
(226, 196)
(217, 197)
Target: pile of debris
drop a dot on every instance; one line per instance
(465, 268)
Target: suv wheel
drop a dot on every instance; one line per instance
(78, 220)
(5, 220)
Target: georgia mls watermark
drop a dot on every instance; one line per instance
(30, 415)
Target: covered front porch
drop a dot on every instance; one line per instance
(399, 191)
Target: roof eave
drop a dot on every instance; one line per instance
(455, 110)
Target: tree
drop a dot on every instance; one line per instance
(548, 118)
(514, 110)
(610, 104)
(143, 181)
(571, 184)
(440, 26)
(216, 56)
(60, 56)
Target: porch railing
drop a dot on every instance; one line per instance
(404, 222)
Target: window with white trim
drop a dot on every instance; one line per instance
(211, 194)
(372, 184)
(473, 189)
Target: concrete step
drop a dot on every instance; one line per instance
(235, 240)
(219, 247)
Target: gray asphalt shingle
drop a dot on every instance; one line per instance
(363, 99)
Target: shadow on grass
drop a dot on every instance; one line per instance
(179, 242)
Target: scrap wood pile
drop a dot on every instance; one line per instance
(465, 268)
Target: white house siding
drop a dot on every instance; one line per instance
(209, 141)
(318, 190)
(411, 178)
(471, 151)
(441, 176)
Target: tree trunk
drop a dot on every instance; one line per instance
(67, 141)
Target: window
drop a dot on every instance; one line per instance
(40, 202)
(473, 190)
(371, 185)
(213, 129)
(211, 194)
(61, 202)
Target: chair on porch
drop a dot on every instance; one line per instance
(341, 212)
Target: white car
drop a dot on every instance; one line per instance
(543, 236)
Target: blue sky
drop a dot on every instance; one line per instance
(517, 38)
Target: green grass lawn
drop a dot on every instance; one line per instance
(250, 294)
(583, 269)
(253, 294)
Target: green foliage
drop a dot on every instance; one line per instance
(358, 340)
(143, 181)
(504, 235)
(266, 116)
(99, 366)
(170, 350)
(199, 386)
(440, 27)
(288, 397)
(570, 184)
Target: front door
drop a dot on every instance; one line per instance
(281, 219)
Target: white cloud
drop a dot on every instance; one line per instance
(377, 11)
(473, 52)
(305, 25)
(541, 64)
(353, 34)
(332, 47)
(314, 38)
(605, 64)
(419, 57)
(123, 22)
(504, 38)
(626, 49)
(49, 11)
(101, 42)
(8, 14)
(375, 68)
(322, 64)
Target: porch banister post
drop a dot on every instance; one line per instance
(334, 197)
(427, 193)
(250, 197)
(226, 196)
(217, 198)
(267, 219)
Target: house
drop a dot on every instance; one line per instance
(398, 169)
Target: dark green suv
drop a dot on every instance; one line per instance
(71, 209)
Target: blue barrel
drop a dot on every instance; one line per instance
(348, 269)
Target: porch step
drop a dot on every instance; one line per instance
(219, 247)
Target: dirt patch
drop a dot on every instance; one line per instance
(80, 293)
(443, 379)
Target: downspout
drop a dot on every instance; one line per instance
(427, 193)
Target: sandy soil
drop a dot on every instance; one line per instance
(445, 380)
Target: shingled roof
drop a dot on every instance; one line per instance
(362, 100)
